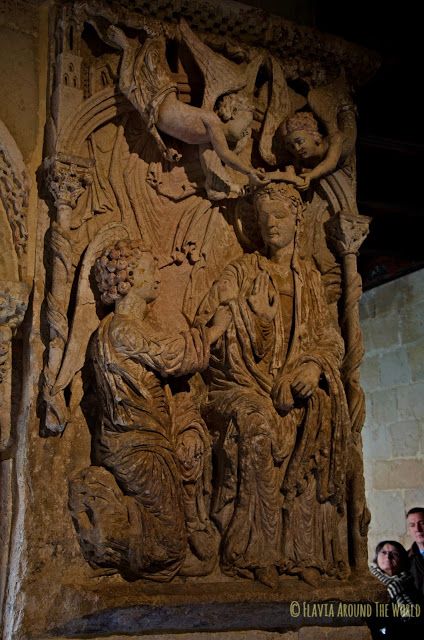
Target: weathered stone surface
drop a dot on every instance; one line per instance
(394, 368)
(370, 374)
(416, 360)
(399, 473)
(19, 31)
(413, 324)
(194, 333)
(384, 406)
(410, 400)
(381, 331)
(387, 508)
(377, 441)
(406, 438)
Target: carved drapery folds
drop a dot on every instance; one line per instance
(203, 294)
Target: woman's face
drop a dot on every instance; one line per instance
(277, 222)
(388, 560)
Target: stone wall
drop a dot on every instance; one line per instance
(392, 376)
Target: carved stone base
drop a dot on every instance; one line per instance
(121, 608)
(306, 633)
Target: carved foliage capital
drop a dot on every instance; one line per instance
(13, 303)
(14, 189)
(347, 232)
(67, 178)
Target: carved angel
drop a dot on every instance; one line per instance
(145, 79)
(316, 155)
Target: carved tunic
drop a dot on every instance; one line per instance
(135, 439)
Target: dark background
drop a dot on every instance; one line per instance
(390, 130)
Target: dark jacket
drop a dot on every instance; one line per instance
(417, 567)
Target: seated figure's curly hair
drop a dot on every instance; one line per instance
(114, 269)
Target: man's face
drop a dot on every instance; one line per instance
(415, 523)
(146, 277)
(277, 222)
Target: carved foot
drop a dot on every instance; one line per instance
(202, 555)
(203, 544)
(311, 576)
(267, 575)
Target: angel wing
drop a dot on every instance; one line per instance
(278, 110)
(221, 75)
(327, 102)
(85, 320)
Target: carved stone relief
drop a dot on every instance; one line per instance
(14, 294)
(202, 300)
(14, 290)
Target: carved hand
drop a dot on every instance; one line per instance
(257, 178)
(306, 380)
(260, 300)
(306, 178)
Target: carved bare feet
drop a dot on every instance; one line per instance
(267, 575)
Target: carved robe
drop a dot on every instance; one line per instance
(271, 462)
(136, 444)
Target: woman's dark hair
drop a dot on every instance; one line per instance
(403, 554)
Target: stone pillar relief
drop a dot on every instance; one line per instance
(199, 399)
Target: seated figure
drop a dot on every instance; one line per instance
(276, 397)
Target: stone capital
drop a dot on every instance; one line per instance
(67, 178)
(347, 231)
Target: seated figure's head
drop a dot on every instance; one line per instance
(302, 137)
(280, 211)
(391, 557)
(127, 264)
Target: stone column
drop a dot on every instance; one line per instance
(67, 178)
(347, 232)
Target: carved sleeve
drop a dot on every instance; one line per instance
(176, 355)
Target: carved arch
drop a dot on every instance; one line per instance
(92, 114)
